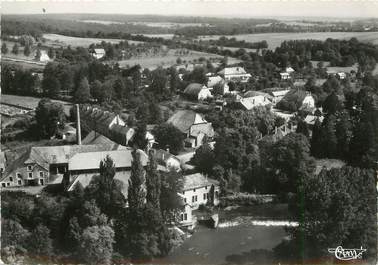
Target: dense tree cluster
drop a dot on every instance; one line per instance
(344, 196)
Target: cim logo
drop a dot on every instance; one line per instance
(347, 253)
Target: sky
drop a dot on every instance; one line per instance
(219, 8)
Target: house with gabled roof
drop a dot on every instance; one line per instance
(42, 164)
(235, 74)
(166, 160)
(197, 190)
(98, 53)
(84, 167)
(193, 126)
(195, 91)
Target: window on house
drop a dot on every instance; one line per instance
(19, 182)
(185, 200)
(19, 175)
(11, 179)
(194, 198)
(216, 194)
(41, 174)
(3, 185)
(205, 187)
(194, 190)
(185, 216)
(41, 182)
(1, 170)
(8, 184)
(30, 168)
(30, 175)
(182, 217)
(204, 196)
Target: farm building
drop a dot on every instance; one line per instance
(193, 126)
(84, 167)
(39, 165)
(197, 91)
(235, 74)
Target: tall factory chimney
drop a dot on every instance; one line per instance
(78, 128)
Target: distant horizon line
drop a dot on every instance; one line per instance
(227, 16)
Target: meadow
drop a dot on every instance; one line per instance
(275, 39)
(170, 59)
(57, 40)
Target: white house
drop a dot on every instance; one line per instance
(44, 57)
(167, 160)
(277, 95)
(235, 74)
(341, 75)
(289, 70)
(193, 126)
(308, 102)
(197, 92)
(252, 102)
(285, 76)
(197, 190)
(98, 53)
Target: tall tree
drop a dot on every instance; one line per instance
(50, 117)
(204, 159)
(291, 162)
(82, 93)
(169, 136)
(153, 183)
(316, 139)
(136, 190)
(329, 139)
(139, 139)
(27, 50)
(15, 49)
(4, 48)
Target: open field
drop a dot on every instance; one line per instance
(30, 102)
(275, 39)
(170, 59)
(56, 40)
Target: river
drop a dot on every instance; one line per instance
(216, 246)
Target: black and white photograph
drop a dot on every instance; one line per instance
(193, 132)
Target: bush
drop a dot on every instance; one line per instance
(246, 199)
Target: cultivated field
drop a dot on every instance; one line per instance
(275, 39)
(170, 59)
(56, 40)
